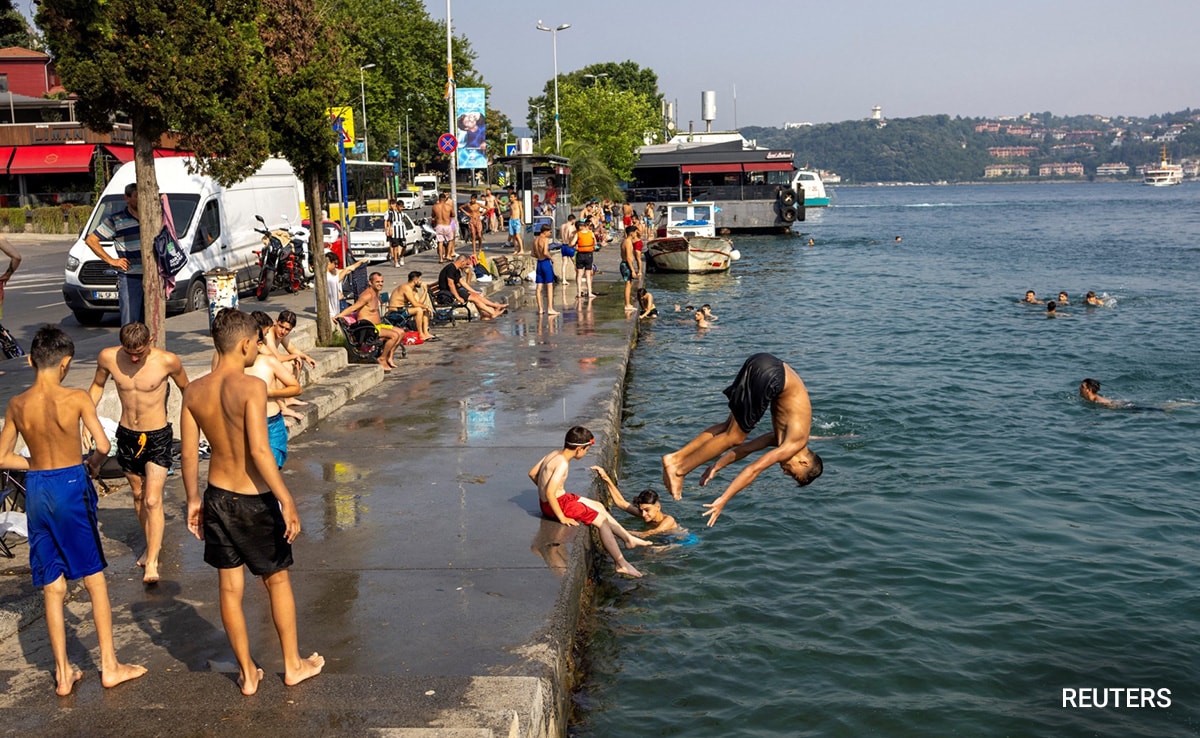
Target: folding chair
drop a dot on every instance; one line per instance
(12, 509)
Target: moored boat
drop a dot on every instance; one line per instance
(687, 241)
(1165, 174)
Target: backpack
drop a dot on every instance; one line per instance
(170, 255)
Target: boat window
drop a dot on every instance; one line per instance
(702, 213)
(679, 213)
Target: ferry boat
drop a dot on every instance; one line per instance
(1165, 174)
(686, 240)
(755, 189)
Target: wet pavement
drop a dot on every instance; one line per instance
(425, 574)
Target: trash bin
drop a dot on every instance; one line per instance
(221, 285)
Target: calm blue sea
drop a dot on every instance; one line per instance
(981, 539)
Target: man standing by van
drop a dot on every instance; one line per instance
(124, 229)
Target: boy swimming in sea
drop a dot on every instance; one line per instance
(550, 476)
(64, 542)
(645, 505)
(247, 516)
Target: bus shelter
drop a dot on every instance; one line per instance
(543, 182)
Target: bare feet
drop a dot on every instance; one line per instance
(66, 682)
(628, 570)
(142, 561)
(630, 308)
(635, 542)
(249, 682)
(551, 312)
(123, 673)
(151, 576)
(289, 413)
(671, 480)
(309, 668)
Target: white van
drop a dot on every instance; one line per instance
(428, 185)
(216, 224)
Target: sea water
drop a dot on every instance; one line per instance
(984, 547)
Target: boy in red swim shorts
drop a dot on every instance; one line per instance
(550, 476)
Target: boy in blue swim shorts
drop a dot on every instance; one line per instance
(64, 541)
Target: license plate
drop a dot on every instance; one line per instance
(104, 295)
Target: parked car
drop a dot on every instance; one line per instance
(335, 240)
(369, 241)
(410, 199)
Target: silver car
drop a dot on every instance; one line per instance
(368, 239)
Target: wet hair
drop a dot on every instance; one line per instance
(545, 228)
(1091, 385)
(641, 292)
(578, 437)
(646, 497)
(1090, 294)
(134, 335)
(706, 306)
(1051, 306)
(631, 229)
(815, 469)
(51, 345)
(231, 326)
(413, 275)
(287, 316)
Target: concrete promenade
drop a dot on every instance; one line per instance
(444, 603)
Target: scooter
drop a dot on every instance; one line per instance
(428, 235)
(279, 266)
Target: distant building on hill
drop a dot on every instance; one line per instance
(802, 124)
(1061, 169)
(987, 127)
(1012, 152)
(1116, 169)
(994, 171)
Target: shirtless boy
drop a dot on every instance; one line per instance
(1089, 390)
(281, 384)
(544, 274)
(628, 264)
(764, 381)
(64, 542)
(144, 437)
(473, 209)
(414, 297)
(247, 516)
(645, 505)
(369, 307)
(550, 476)
(443, 225)
(515, 226)
(276, 338)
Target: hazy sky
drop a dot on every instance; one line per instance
(833, 60)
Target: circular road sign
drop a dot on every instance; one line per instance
(447, 143)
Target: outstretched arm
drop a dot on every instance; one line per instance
(744, 478)
(737, 453)
(615, 493)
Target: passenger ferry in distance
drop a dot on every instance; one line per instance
(1165, 174)
(756, 190)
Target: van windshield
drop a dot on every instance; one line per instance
(182, 209)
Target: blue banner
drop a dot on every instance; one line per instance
(471, 112)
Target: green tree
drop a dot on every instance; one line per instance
(612, 121)
(626, 75)
(300, 38)
(590, 176)
(195, 67)
(14, 30)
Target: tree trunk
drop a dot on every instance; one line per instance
(316, 245)
(150, 220)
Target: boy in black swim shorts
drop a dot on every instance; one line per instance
(763, 382)
(247, 516)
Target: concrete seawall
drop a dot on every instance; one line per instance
(444, 602)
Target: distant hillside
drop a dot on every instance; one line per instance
(937, 147)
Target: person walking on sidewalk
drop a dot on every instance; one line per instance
(474, 212)
(443, 226)
(124, 229)
(544, 274)
(516, 226)
(585, 251)
(144, 437)
(393, 223)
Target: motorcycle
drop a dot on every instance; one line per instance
(279, 265)
(428, 234)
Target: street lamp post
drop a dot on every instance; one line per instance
(408, 139)
(557, 127)
(537, 116)
(595, 77)
(362, 88)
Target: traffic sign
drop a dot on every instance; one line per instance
(447, 143)
(343, 118)
(510, 149)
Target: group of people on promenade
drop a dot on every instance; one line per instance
(246, 515)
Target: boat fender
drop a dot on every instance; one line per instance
(735, 255)
(788, 214)
(787, 198)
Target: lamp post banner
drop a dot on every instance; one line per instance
(471, 120)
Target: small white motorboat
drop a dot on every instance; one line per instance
(687, 241)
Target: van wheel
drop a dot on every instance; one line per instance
(197, 296)
(88, 317)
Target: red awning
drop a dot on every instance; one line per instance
(55, 159)
(168, 153)
(6, 153)
(124, 154)
(770, 166)
(711, 168)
